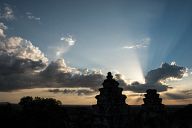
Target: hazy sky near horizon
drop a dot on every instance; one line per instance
(67, 46)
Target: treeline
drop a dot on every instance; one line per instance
(34, 113)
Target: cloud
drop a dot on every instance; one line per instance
(23, 65)
(7, 13)
(19, 62)
(138, 44)
(65, 76)
(2, 28)
(30, 16)
(72, 91)
(184, 94)
(141, 88)
(17, 48)
(69, 40)
(164, 72)
(155, 79)
(66, 42)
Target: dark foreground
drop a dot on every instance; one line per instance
(111, 111)
(13, 115)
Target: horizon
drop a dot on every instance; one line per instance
(64, 49)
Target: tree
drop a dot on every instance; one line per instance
(26, 101)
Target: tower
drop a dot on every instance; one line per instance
(152, 102)
(111, 111)
(153, 114)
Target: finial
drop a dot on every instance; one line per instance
(109, 75)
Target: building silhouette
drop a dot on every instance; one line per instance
(152, 113)
(111, 111)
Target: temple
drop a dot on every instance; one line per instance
(152, 102)
(111, 110)
(152, 114)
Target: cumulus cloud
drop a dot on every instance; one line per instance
(155, 79)
(22, 65)
(164, 72)
(19, 62)
(71, 77)
(30, 16)
(7, 13)
(17, 48)
(138, 44)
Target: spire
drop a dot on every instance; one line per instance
(109, 76)
(110, 82)
(111, 106)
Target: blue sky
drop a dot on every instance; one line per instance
(101, 27)
(130, 37)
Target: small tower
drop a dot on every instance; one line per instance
(152, 102)
(153, 114)
(111, 110)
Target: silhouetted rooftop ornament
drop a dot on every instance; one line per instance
(109, 75)
(110, 82)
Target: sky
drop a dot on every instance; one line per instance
(64, 48)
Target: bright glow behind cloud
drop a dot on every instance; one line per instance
(63, 46)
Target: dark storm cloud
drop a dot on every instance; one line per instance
(10, 64)
(141, 88)
(71, 77)
(155, 77)
(19, 63)
(164, 72)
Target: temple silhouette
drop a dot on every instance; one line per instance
(111, 111)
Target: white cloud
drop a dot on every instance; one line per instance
(143, 43)
(17, 54)
(2, 28)
(33, 18)
(69, 40)
(30, 16)
(7, 13)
